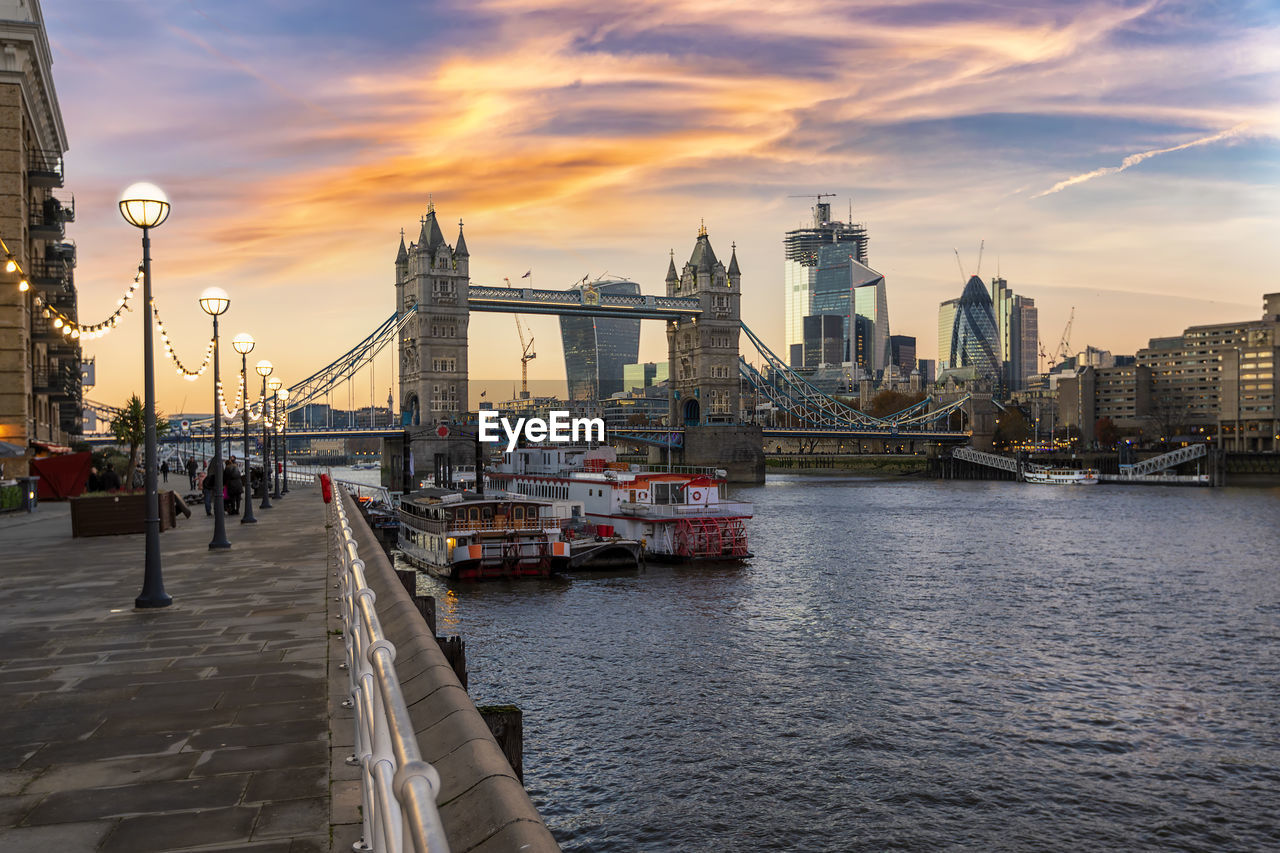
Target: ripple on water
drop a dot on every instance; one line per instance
(911, 665)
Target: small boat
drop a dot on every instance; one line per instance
(468, 536)
(1062, 476)
(364, 466)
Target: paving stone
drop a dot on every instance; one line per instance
(107, 774)
(279, 712)
(304, 754)
(295, 784)
(260, 735)
(149, 833)
(293, 817)
(126, 800)
(346, 800)
(13, 809)
(55, 839)
(14, 781)
(93, 749)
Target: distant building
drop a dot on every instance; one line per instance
(903, 352)
(643, 375)
(597, 348)
(1219, 378)
(639, 407)
(1018, 331)
(928, 368)
(800, 269)
(704, 383)
(946, 325)
(824, 340)
(974, 340)
(40, 372)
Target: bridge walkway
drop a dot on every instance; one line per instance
(205, 724)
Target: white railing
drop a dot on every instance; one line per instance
(398, 788)
(648, 510)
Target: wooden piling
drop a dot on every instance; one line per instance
(506, 722)
(455, 652)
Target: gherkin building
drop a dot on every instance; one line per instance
(974, 340)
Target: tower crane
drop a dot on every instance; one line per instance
(526, 353)
(1064, 345)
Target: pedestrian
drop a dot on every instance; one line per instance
(164, 470)
(110, 479)
(206, 488)
(192, 468)
(234, 482)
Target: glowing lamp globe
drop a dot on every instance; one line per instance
(144, 205)
(215, 301)
(264, 368)
(243, 343)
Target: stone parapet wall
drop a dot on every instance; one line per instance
(482, 803)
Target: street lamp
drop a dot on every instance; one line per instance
(145, 206)
(243, 343)
(274, 384)
(214, 301)
(264, 370)
(284, 442)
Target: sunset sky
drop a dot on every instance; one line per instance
(295, 139)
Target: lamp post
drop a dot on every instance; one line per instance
(214, 301)
(264, 370)
(145, 206)
(284, 441)
(244, 343)
(274, 384)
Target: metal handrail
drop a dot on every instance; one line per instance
(398, 788)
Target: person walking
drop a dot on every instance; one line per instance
(192, 468)
(110, 479)
(164, 470)
(205, 480)
(234, 482)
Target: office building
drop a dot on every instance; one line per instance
(800, 269)
(824, 340)
(597, 348)
(40, 372)
(869, 346)
(902, 351)
(643, 375)
(1219, 378)
(975, 344)
(1018, 333)
(946, 325)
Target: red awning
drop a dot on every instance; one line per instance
(61, 477)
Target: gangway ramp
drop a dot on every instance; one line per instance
(991, 460)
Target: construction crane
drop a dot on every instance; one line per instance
(818, 196)
(964, 279)
(982, 244)
(526, 353)
(1064, 345)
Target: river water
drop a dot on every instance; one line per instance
(913, 665)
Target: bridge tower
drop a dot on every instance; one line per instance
(703, 353)
(433, 346)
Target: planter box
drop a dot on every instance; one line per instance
(112, 515)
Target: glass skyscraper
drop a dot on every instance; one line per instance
(596, 349)
(800, 269)
(1018, 331)
(846, 288)
(975, 342)
(946, 324)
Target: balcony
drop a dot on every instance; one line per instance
(44, 168)
(64, 253)
(57, 380)
(50, 274)
(49, 220)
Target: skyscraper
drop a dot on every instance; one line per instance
(836, 278)
(903, 351)
(800, 269)
(1017, 330)
(974, 340)
(869, 346)
(596, 349)
(946, 324)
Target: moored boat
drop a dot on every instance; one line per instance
(677, 514)
(469, 536)
(1062, 476)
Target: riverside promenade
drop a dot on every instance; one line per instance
(211, 724)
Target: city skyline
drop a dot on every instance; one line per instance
(1103, 173)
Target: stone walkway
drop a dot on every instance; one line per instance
(201, 726)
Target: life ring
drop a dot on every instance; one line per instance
(643, 496)
(697, 496)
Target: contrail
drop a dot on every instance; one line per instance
(1135, 159)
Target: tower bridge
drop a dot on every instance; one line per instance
(707, 375)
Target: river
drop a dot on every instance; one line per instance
(909, 664)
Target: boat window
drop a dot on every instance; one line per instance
(533, 512)
(488, 513)
(661, 493)
(473, 514)
(518, 513)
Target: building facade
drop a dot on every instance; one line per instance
(433, 344)
(903, 352)
(800, 269)
(643, 375)
(975, 341)
(703, 355)
(597, 348)
(40, 365)
(1018, 333)
(946, 325)
(824, 340)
